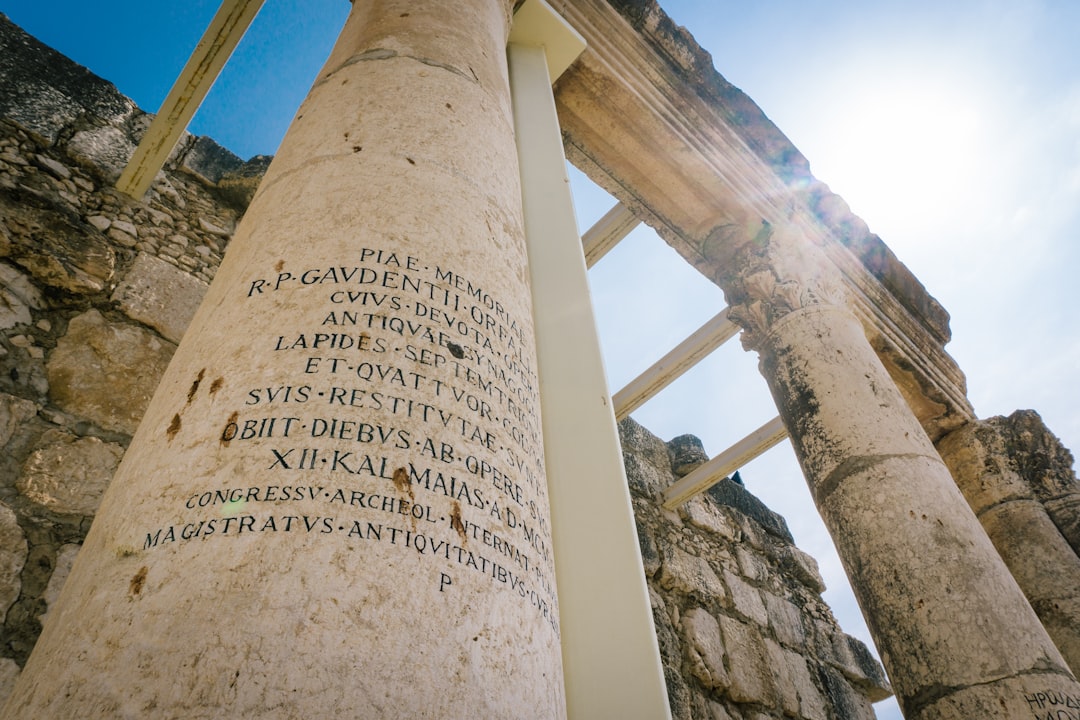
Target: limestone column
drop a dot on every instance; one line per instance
(336, 503)
(955, 633)
(1000, 491)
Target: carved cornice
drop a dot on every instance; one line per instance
(646, 116)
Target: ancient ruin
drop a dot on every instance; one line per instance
(336, 456)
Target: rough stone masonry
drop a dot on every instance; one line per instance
(97, 289)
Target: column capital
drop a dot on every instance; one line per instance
(779, 271)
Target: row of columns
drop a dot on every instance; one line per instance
(956, 634)
(337, 501)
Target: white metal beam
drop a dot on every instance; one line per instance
(727, 462)
(611, 659)
(667, 369)
(617, 223)
(220, 39)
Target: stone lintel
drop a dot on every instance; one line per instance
(646, 116)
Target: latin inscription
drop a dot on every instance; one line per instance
(404, 414)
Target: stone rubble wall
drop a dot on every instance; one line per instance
(96, 289)
(743, 630)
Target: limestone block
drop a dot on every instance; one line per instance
(643, 478)
(48, 164)
(160, 295)
(736, 496)
(851, 705)
(783, 674)
(105, 149)
(853, 659)
(687, 454)
(209, 161)
(705, 648)
(56, 250)
(107, 371)
(13, 550)
(69, 474)
(746, 599)
(650, 556)
(785, 621)
(13, 412)
(803, 568)
(751, 565)
(702, 513)
(718, 711)
(751, 677)
(43, 91)
(689, 574)
(17, 296)
(65, 557)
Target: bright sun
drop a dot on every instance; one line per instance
(906, 153)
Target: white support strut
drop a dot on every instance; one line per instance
(611, 658)
(765, 437)
(669, 368)
(203, 67)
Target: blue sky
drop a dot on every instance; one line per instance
(952, 128)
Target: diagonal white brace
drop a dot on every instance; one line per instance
(667, 369)
(617, 223)
(203, 67)
(765, 437)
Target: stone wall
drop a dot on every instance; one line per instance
(96, 289)
(743, 630)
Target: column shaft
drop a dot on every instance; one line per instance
(955, 633)
(335, 505)
(987, 460)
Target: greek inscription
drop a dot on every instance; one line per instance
(1053, 705)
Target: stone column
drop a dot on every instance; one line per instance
(955, 633)
(997, 464)
(335, 505)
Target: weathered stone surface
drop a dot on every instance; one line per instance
(751, 677)
(785, 621)
(689, 574)
(734, 495)
(209, 161)
(107, 371)
(160, 295)
(106, 150)
(17, 297)
(703, 514)
(786, 688)
(13, 412)
(13, 550)
(44, 91)
(69, 474)
(646, 459)
(687, 454)
(803, 568)
(55, 247)
(65, 557)
(705, 648)
(847, 703)
(746, 599)
(238, 188)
